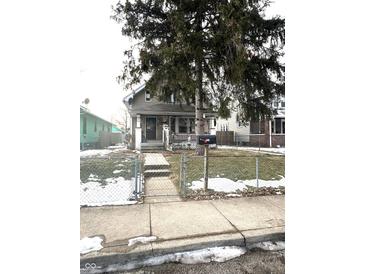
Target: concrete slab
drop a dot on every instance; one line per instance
(116, 223)
(155, 159)
(161, 199)
(262, 235)
(160, 189)
(277, 200)
(185, 219)
(251, 212)
(165, 247)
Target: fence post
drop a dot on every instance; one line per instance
(136, 177)
(257, 171)
(180, 175)
(184, 175)
(206, 168)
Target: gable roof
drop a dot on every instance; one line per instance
(133, 93)
(85, 110)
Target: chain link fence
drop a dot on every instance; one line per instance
(110, 180)
(231, 174)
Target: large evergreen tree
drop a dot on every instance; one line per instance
(215, 51)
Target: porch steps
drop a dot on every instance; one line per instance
(156, 165)
(157, 173)
(152, 146)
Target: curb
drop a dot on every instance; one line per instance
(103, 261)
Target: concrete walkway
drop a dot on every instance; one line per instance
(181, 226)
(158, 186)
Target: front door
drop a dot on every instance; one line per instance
(151, 128)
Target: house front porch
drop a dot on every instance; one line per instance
(160, 131)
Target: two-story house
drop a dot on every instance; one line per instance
(156, 124)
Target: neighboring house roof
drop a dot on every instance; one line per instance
(116, 129)
(85, 110)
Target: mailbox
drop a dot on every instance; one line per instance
(207, 139)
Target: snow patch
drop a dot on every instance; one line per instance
(143, 240)
(219, 184)
(117, 171)
(117, 191)
(233, 195)
(118, 146)
(269, 246)
(99, 152)
(90, 244)
(93, 177)
(215, 254)
(227, 185)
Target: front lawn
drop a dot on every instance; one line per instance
(231, 164)
(107, 179)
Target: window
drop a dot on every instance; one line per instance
(183, 125)
(283, 104)
(172, 125)
(192, 125)
(257, 127)
(215, 122)
(278, 126)
(84, 126)
(108, 129)
(103, 127)
(95, 126)
(147, 96)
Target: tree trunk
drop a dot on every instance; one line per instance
(199, 120)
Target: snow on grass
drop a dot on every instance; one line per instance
(219, 184)
(143, 240)
(93, 177)
(273, 150)
(115, 191)
(118, 146)
(101, 152)
(117, 171)
(215, 254)
(90, 244)
(227, 185)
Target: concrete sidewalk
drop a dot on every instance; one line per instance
(181, 226)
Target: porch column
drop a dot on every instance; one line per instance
(176, 124)
(138, 134)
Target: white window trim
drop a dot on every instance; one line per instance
(145, 96)
(177, 121)
(281, 126)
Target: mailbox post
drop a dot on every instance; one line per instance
(206, 140)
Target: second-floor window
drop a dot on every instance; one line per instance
(147, 96)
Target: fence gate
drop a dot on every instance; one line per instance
(159, 173)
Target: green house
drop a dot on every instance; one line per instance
(93, 129)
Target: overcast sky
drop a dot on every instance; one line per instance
(101, 55)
